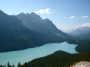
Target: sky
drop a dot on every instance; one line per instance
(65, 14)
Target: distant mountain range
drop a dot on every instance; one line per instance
(27, 31)
(81, 33)
(82, 37)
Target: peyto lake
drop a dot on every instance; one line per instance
(26, 55)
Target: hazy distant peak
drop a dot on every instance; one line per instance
(21, 13)
(2, 13)
(29, 14)
(34, 14)
(47, 20)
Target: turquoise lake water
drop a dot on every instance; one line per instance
(26, 55)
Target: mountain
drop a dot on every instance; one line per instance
(13, 34)
(36, 23)
(44, 26)
(58, 59)
(16, 35)
(81, 35)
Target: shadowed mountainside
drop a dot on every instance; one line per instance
(14, 35)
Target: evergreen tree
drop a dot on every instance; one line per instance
(8, 65)
(19, 65)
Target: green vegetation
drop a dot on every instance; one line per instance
(58, 59)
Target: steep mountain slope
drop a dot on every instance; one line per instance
(36, 23)
(43, 26)
(15, 35)
(82, 36)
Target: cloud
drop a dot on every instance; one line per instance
(77, 26)
(81, 25)
(84, 16)
(72, 17)
(69, 17)
(43, 11)
(85, 25)
(73, 27)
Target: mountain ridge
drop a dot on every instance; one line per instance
(15, 35)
